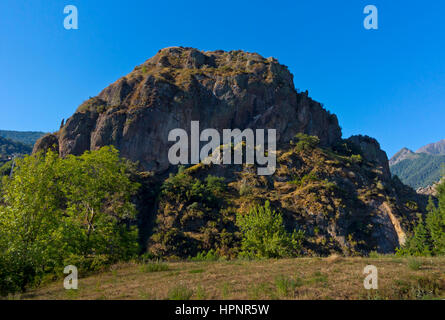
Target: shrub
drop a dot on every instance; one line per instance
(286, 286)
(264, 234)
(154, 266)
(414, 264)
(245, 189)
(180, 293)
(356, 158)
(305, 142)
(211, 255)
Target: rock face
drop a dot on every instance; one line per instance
(47, 142)
(430, 190)
(220, 89)
(371, 151)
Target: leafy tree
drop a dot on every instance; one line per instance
(31, 217)
(264, 234)
(98, 200)
(56, 209)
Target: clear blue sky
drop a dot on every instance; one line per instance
(387, 83)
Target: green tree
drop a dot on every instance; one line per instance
(264, 234)
(429, 236)
(56, 210)
(31, 217)
(419, 244)
(98, 195)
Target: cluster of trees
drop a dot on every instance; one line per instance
(60, 211)
(429, 234)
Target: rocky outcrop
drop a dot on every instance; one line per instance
(430, 190)
(339, 192)
(220, 89)
(370, 148)
(47, 142)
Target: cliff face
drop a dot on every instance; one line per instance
(220, 89)
(339, 192)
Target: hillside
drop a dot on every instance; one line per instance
(8, 148)
(25, 137)
(419, 169)
(403, 154)
(339, 192)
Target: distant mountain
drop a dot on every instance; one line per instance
(403, 154)
(9, 147)
(26, 137)
(422, 168)
(433, 148)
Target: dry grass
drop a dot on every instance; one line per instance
(302, 278)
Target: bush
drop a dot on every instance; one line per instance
(154, 266)
(88, 264)
(211, 255)
(286, 286)
(180, 293)
(264, 234)
(305, 142)
(414, 264)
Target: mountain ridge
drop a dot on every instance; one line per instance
(437, 148)
(26, 137)
(420, 169)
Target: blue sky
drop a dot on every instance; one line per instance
(387, 83)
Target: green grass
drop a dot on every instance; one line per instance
(180, 293)
(286, 286)
(196, 271)
(297, 278)
(414, 264)
(156, 266)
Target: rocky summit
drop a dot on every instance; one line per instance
(338, 191)
(220, 89)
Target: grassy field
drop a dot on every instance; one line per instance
(301, 278)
